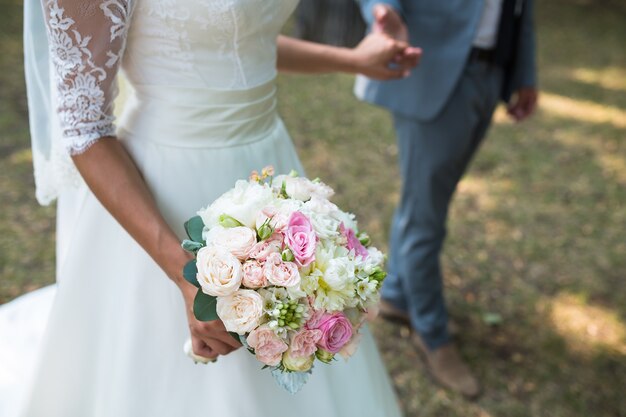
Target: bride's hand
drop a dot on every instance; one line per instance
(382, 57)
(208, 339)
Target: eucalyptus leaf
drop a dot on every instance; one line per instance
(292, 382)
(194, 228)
(204, 307)
(191, 246)
(190, 272)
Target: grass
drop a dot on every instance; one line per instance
(536, 255)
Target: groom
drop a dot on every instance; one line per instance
(474, 53)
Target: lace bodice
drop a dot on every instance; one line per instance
(203, 44)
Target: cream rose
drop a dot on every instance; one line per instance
(280, 273)
(237, 240)
(241, 311)
(268, 348)
(253, 274)
(219, 271)
(297, 363)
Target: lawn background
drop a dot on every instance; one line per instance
(535, 262)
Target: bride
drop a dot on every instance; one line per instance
(199, 113)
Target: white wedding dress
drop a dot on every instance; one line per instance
(107, 339)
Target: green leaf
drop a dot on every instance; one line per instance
(194, 227)
(492, 319)
(235, 336)
(191, 246)
(204, 307)
(190, 270)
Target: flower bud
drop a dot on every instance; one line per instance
(287, 255)
(228, 221)
(324, 356)
(265, 231)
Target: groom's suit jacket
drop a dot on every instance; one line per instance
(445, 30)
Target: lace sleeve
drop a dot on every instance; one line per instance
(86, 41)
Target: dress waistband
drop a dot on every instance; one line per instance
(196, 117)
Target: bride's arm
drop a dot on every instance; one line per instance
(114, 179)
(86, 43)
(371, 57)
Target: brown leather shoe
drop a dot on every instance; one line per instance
(392, 313)
(448, 368)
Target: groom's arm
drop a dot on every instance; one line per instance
(524, 77)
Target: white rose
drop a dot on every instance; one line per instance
(241, 311)
(302, 188)
(339, 273)
(237, 240)
(321, 190)
(243, 202)
(219, 271)
(325, 226)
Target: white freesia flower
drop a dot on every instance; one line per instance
(219, 271)
(366, 289)
(243, 203)
(375, 256)
(241, 312)
(237, 240)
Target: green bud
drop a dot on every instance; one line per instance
(365, 239)
(288, 255)
(294, 325)
(281, 323)
(378, 275)
(293, 173)
(228, 221)
(324, 355)
(265, 231)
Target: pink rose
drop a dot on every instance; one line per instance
(301, 238)
(268, 348)
(263, 249)
(353, 242)
(336, 332)
(280, 273)
(253, 274)
(304, 343)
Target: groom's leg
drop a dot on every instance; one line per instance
(433, 156)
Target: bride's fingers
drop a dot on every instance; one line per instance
(219, 347)
(202, 349)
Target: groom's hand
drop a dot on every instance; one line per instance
(523, 103)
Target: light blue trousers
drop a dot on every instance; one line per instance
(433, 156)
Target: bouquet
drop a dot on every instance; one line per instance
(287, 272)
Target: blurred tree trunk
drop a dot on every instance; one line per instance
(334, 22)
